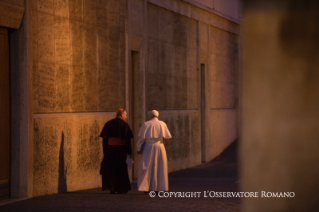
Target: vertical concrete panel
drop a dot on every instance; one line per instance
(203, 42)
(63, 90)
(77, 85)
(47, 92)
(89, 12)
(136, 19)
(101, 9)
(35, 87)
(215, 94)
(61, 41)
(90, 91)
(68, 153)
(103, 92)
(35, 33)
(195, 144)
(172, 61)
(191, 34)
(46, 159)
(183, 150)
(121, 54)
(222, 87)
(191, 88)
(77, 43)
(102, 47)
(180, 65)
(90, 46)
(113, 13)
(180, 30)
(61, 8)
(46, 6)
(166, 25)
(88, 147)
(45, 38)
(280, 104)
(85, 46)
(152, 57)
(212, 58)
(76, 10)
(223, 131)
(169, 58)
(113, 49)
(228, 94)
(191, 64)
(223, 69)
(123, 18)
(76, 40)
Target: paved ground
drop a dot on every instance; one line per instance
(219, 175)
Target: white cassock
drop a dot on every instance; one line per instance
(152, 166)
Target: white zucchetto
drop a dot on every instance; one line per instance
(155, 113)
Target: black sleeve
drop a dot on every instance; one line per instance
(128, 146)
(104, 132)
(128, 134)
(105, 144)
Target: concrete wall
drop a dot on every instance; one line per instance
(81, 60)
(175, 39)
(79, 49)
(223, 75)
(11, 13)
(171, 60)
(78, 67)
(226, 8)
(280, 100)
(67, 152)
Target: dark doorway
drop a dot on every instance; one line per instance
(134, 70)
(202, 109)
(4, 115)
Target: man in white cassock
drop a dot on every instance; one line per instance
(152, 167)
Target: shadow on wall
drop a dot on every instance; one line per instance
(229, 154)
(62, 187)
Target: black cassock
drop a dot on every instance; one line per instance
(113, 166)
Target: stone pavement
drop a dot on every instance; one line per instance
(219, 175)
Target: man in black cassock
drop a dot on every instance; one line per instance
(117, 136)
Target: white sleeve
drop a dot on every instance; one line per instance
(139, 144)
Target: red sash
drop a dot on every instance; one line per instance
(116, 141)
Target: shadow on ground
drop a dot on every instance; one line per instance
(219, 175)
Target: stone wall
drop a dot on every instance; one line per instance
(78, 54)
(223, 76)
(226, 8)
(178, 43)
(171, 63)
(78, 66)
(171, 74)
(67, 153)
(81, 60)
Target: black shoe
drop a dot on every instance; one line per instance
(112, 192)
